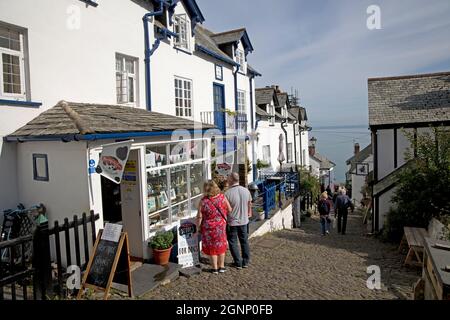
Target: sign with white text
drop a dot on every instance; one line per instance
(188, 247)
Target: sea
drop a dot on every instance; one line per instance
(337, 144)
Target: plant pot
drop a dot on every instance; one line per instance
(161, 257)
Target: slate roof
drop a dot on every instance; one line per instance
(291, 116)
(229, 36)
(69, 118)
(360, 157)
(421, 98)
(203, 39)
(325, 163)
(261, 112)
(282, 99)
(265, 96)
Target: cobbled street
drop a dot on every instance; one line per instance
(301, 264)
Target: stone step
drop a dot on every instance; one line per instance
(147, 277)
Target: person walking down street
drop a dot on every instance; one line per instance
(240, 200)
(324, 211)
(343, 203)
(212, 221)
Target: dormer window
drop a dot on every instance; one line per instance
(181, 27)
(240, 59)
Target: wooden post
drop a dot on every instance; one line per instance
(41, 261)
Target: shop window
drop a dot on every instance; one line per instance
(174, 185)
(183, 97)
(126, 80)
(12, 63)
(40, 167)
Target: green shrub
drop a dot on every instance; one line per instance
(162, 240)
(422, 192)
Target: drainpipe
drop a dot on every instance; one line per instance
(149, 51)
(236, 107)
(286, 135)
(295, 145)
(252, 123)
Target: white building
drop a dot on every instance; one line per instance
(320, 166)
(136, 55)
(399, 106)
(359, 167)
(280, 123)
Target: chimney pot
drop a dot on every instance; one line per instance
(357, 148)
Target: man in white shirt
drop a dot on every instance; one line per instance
(238, 219)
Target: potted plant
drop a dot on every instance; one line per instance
(162, 245)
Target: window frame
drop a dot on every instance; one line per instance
(125, 74)
(36, 177)
(290, 152)
(264, 153)
(272, 114)
(179, 21)
(23, 72)
(183, 97)
(242, 101)
(240, 59)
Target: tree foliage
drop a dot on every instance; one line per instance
(423, 189)
(309, 184)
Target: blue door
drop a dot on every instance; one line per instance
(219, 107)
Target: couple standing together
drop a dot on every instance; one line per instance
(223, 219)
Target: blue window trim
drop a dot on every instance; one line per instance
(5, 102)
(90, 3)
(221, 72)
(35, 174)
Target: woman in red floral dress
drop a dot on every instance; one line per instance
(212, 218)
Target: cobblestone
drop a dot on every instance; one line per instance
(301, 264)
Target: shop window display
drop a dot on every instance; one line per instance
(174, 182)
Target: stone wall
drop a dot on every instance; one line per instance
(282, 220)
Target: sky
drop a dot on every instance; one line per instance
(324, 49)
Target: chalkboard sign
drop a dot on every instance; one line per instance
(102, 264)
(110, 262)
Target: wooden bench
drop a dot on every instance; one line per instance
(414, 239)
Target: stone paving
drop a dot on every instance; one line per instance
(301, 264)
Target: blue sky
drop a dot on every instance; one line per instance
(324, 49)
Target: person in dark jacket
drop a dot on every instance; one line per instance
(324, 211)
(342, 204)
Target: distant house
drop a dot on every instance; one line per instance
(321, 166)
(359, 166)
(278, 116)
(397, 106)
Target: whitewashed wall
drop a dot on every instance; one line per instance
(67, 192)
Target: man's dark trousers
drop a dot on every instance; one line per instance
(342, 220)
(234, 233)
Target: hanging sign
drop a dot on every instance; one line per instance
(113, 160)
(188, 246)
(362, 169)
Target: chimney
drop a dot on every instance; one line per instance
(357, 148)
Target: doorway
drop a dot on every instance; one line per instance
(122, 204)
